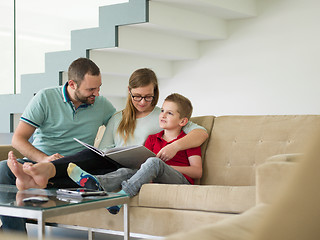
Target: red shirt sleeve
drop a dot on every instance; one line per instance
(194, 151)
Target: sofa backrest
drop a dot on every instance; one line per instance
(207, 123)
(4, 150)
(238, 144)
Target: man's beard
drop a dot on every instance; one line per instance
(83, 99)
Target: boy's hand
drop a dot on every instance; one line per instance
(168, 152)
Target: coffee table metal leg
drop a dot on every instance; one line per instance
(126, 222)
(91, 234)
(41, 228)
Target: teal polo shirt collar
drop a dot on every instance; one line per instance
(67, 99)
(65, 95)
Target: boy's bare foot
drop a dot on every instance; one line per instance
(30, 175)
(23, 181)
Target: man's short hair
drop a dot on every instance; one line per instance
(80, 67)
(184, 104)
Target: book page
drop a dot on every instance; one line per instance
(92, 148)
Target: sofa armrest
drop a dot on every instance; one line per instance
(241, 226)
(4, 149)
(272, 174)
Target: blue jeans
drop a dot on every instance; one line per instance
(10, 223)
(112, 181)
(153, 170)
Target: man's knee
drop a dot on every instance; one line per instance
(4, 167)
(6, 176)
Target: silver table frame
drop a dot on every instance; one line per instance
(43, 213)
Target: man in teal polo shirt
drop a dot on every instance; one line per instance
(54, 117)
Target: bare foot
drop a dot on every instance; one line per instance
(40, 172)
(30, 175)
(23, 181)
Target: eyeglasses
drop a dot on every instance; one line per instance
(139, 98)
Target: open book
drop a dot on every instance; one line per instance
(130, 156)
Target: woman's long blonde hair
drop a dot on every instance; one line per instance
(139, 78)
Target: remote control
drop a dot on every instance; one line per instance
(36, 199)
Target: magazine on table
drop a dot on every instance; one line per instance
(129, 156)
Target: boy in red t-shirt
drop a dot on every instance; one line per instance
(185, 166)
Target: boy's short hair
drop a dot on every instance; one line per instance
(184, 104)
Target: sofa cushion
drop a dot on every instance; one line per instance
(227, 199)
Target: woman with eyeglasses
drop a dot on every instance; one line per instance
(139, 119)
(131, 126)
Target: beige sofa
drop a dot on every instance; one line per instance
(244, 159)
(292, 213)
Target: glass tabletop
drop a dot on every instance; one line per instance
(10, 196)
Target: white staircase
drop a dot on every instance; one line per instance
(132, 35)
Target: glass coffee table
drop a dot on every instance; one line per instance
(12, 204)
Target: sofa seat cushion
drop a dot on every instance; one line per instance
(223, 199)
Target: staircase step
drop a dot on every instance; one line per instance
(32, 83)
(94, 38)
(185, 22)
(130, 12)
(226, 9)
(115, 62)
(59, 61)
(156, 44)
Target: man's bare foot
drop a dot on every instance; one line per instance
(30, 175)
(40, 172)
(23, 181)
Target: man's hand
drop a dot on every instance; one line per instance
(52, 157)
(20, 142)
(168, 152)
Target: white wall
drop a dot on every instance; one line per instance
(268, 65)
